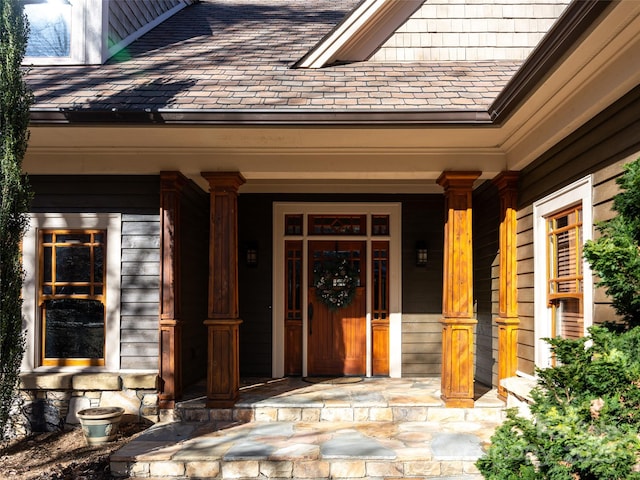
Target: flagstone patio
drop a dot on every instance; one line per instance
(332, 428)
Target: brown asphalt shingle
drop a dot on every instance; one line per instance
(237, 54)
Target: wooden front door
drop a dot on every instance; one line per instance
(337, 334)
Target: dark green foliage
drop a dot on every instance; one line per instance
(585, 415)
(615, 256)
(15, 100)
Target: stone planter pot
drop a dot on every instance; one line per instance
(100, 425)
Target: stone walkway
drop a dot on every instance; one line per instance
(373, 428)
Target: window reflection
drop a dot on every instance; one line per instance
(50, 28)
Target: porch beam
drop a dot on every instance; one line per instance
(170, 322)
(508, 321)
(223, 365)
(458, 319)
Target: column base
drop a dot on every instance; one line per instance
(458, 402)
(507, 350)
(457, 362)
(223, 365)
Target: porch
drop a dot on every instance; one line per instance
(349, 427)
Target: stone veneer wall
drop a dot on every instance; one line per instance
(50, 401)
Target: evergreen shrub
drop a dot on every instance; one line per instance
(585, 415)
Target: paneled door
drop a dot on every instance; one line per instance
(336, 311)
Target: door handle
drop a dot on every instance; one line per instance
(310, 318)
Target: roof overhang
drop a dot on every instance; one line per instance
(577, 72)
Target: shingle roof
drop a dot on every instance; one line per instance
(237, 54)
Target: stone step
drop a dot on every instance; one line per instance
(384, 450)
(318, 413)
(366, 402)
(301, 469)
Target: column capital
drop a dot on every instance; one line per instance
(224, 180)
(452, 179)
(507, 180)
(172, 180)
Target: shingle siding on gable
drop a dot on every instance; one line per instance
(127, 17)
(443, 30)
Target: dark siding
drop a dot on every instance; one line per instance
(609, 137)
(422, 220)
(194, 270)
(600, 147)
(486, 223)
(255, 216)
(423, 217)
(92, 193)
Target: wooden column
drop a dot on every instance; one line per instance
(170, 342)
(458, 319)
(508, 321)
(223, 366)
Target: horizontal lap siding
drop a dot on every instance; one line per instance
(421, 345)
(194, 271)
(604, 189)
(136, 198)
(422, 220)
(140, 293)
(486, 210)
(524, 253)
(600, 148)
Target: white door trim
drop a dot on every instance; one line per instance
(394, 210)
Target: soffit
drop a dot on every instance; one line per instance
(599, 69)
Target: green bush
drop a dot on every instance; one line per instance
(615, 256)
(585, 415)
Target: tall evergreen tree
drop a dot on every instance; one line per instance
(15, 99)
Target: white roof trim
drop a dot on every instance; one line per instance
(361, 33)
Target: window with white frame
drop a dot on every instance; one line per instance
(71, 294)
(65, 31)
(563, 281)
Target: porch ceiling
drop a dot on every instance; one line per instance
(374, 151)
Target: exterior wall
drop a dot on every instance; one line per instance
(422, 220)
(194, 270)
(526, 307)
(255, 220)
(605, 188)
(472, 30)
(139, 300)
(486, 223)
(599, 148)
(52, 397)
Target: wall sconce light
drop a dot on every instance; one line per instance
(252, 254)
(421, 254)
